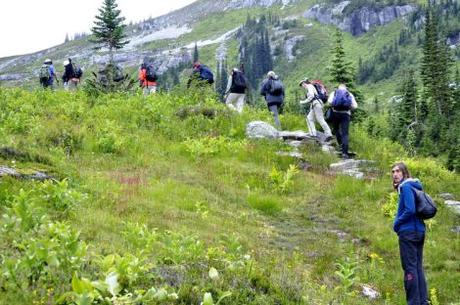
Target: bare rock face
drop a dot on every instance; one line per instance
(359, 21)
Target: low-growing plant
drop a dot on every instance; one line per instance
(283, 181)
(390, 206)
(346, 273)
(264, 203)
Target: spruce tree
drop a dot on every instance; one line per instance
(341, 69)
(196, 55)
(108, 29)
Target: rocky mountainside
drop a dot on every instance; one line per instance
(213, 25)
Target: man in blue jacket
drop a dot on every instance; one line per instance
(411, 232)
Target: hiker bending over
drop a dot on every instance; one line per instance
(201, 75)
(236, 88)
(148, 78)
(411, 233)
(273, 91)
(342, 102)
(313, 100)
(47, 74)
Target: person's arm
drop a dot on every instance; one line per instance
(354, 104)
(310, 95)
(408, 206)
(330, 98)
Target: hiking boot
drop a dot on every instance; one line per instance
(345, 156)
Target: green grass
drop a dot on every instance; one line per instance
(174, 195)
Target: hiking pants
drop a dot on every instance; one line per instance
(235, 101)
(341, 124)
(411, 252)
(274, 110)
(316, 113)
(71, 85)
(149, 90)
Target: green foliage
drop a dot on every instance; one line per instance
(267, 204)
(283, 181)
(390, 207)
(346, 273)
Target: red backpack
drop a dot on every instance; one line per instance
(320, 89)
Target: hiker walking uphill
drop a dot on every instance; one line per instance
(236, 88)
(148, 78)
(342, 102)
(71, 76)
(201, 75)
(48, 75)
(315, 98)
(273, 91)
(411, 232)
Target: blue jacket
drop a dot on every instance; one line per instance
(406, 218)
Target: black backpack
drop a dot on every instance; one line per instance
(150, 73)
(424, 205)
(239, 81)
(77, 71)
(44, 73)
(276, 87)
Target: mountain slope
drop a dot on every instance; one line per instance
(167, 193)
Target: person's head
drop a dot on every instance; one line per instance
(399, 172)
(342, 87)
(196, 65)
(235, 70)
(272, 75)
(304, 82)
(48, 61)
(66, 62)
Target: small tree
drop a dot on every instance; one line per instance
(108, 29)
(196, 55)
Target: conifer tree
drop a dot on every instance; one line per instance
(108, 29)
(67, 39)
(341, 68)
(196, 55)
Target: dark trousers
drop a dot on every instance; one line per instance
(411, 251)
(341, 125)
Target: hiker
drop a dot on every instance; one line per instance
(236, 88)
(71, 76)
(201, 75)
(411, 233)
(273, 91)
(148, 78)
(342, 102)
(316, 109)
(48, 74)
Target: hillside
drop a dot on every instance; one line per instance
(213, 25)
(164, 200)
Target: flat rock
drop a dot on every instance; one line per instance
(8, 171)
(370, 292)
(455, 205)
(261, 130)
(447, 196)
(353, 173)
(349, 164)
(293, 154)
(295, 143)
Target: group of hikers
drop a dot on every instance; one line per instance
(70, 78)
(341, 101)
(408, 225)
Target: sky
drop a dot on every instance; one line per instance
(27, 26)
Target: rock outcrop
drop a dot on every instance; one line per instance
(359, 21)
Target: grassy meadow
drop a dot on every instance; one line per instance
(163, 200)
